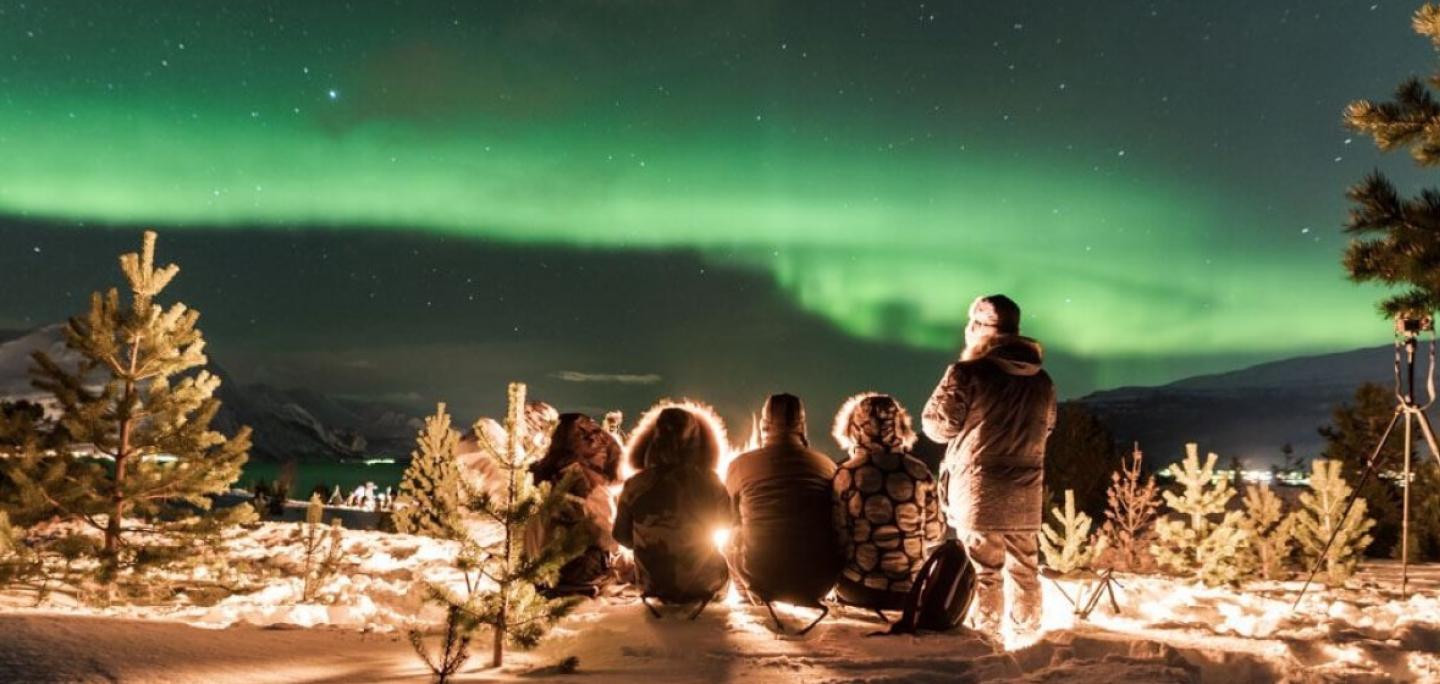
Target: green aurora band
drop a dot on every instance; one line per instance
(885, 243)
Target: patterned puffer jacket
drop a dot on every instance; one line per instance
(886, 509)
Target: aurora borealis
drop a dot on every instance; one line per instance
(1158, 183)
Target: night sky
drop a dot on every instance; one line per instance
(619, 200)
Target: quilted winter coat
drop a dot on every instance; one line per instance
(995, 411)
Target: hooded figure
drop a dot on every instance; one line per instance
(886, 509)
(580, 446)
(785, 547)
(672, 508)
(995, 408)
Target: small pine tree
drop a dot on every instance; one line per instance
(430, 493)
(1271, 532)
(1355, 428)
(1071, 547)
(454, 648)
(149, 419)
(18, 562)
(320, 561)
(501, 579)
(1206, 541)
(1133, 504)
(1319, 517)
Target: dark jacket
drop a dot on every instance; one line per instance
(785, 545)
(995, 411)
(886, 509)
(670, 510)
(580, 446)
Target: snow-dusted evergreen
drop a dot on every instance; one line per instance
(1271, 533)
(429, 501)
(1070, 546)
(501, 588)
(1320, 516)
(1204, 540)
(143, 401)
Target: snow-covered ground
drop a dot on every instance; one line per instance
(1166, 630)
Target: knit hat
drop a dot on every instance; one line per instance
(996, 311)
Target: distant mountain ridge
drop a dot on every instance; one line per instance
(287, 423)
(1249, 413)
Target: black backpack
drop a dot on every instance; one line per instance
(942, 592)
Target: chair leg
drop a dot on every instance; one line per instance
(778, 624)
(700, 608)
(824, 610)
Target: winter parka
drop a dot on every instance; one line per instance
(995, 410)
(785, 546)
(671, 509)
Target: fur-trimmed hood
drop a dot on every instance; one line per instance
(1014, 354)
(674, 433)
(870, 423)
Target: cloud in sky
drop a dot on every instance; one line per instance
(615, 378)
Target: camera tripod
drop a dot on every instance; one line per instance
(1407, 331)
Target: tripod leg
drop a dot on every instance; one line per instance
(1428, 432)
(1370, 465)
(1405, 504)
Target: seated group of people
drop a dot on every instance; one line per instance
(798, 525)
(801, 525)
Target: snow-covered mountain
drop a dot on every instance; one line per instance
(1249, 413)
(287, 423)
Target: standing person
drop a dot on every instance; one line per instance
(995, 408)
(785, 547)
(672, 508)
(580, 446)
(886, 510)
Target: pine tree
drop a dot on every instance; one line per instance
(1271, 532)
(1134, 503)
(1207, 539)
(18, 562)
(501, 579)
(319, 561)
(1354, 430)
(1080, 457)
(1396, 242)
(149, 418)
(430, 493)
(1070, 547)
(1319, 517)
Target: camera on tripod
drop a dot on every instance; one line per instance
(1412, 324)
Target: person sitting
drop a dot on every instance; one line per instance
(672, 508)
(785, 548)
(886, 509)
(581, 451)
